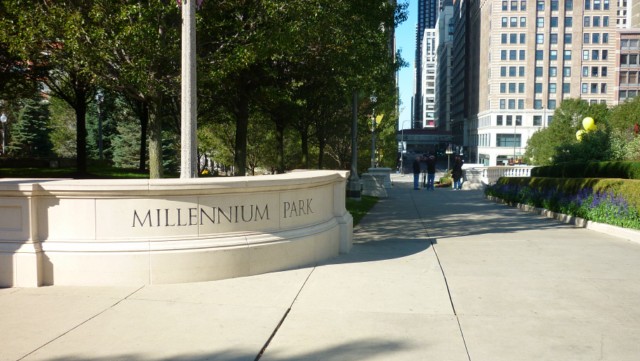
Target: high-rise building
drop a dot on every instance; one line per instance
(427, 16)
(444, 36)
(515, 61)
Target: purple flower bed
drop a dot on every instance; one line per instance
(602, 207)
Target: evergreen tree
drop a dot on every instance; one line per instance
(30, 134)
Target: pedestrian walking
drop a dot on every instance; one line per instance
(416, 173)
(456, 173)
(431, 172)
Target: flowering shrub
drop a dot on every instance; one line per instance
(598, 206)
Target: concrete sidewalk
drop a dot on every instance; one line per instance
(442, 275)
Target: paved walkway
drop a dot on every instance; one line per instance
(442, 275)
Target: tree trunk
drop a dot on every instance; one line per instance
(155, 143)
(144, 126)
(242, 126)
(81, 135)
(280, 138)
(304, 144)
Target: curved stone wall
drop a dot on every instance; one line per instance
(126, 232)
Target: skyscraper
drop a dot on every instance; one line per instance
(427, 16)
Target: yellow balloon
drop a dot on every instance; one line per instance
(589, 124)
(579, 134)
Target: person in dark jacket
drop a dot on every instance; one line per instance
(431, 172)
(456, 173)
(416, 173)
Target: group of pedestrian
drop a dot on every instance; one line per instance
(428, 180)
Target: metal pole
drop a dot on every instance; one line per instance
(373, 139)
(188, 166)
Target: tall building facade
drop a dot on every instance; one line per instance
(444, 41)
(428, 79)
(427, 16)
(515, 61)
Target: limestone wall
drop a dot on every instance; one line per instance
(124, 232)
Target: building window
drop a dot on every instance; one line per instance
(521, 71)
(513, 38)
(505, 22)
(508, 140)
(605, 38)
(585, 71)
(605, 21)
(554, 5)
(567, 55)
(587, 22)
(595, 54)
(539, 54)
(521, 88)
(509, 120)
(568, 22)
(499, 120)
(505, 5)
(594, 88)
(585, 55)
(540, 5)
(568, 5)
(552, 104)
(503, 104)
(523, 5)
(554, 22)
(553, 71)
(566, 71)
(503, 71)
(553, 55)
(552, 88)
(537, 88)
(587, 4)
(513, 55)
(566, 88)
(518, 120)
(586, 38)
(512, 103)
(594, 71)
(537, 104)
(539, 38)
(522, 54)
(605, 54)
(523, 38)
(603, 88)
(503, 38)
(503, 88)
(595, 21)
(503, 55)
(596, 4)
(512, 70)
(605, 5)
(520, 103)
(568, 38)
(514, 22)
(553, 38)
(512, 88)
(523, 22)
(540, 22)
(537, 120)
(595, 38)
(514, 5)
(538, 71)
(603, 71)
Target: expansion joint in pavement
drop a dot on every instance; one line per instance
(81, 323)
(444, 276)
(284, 317)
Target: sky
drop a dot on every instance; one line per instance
(406, 44)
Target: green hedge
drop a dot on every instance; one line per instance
(625, 170)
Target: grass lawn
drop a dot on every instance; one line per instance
(359, 209)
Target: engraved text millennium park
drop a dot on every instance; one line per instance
(198, 216)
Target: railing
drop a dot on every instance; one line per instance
(479, 175)
(491, 175)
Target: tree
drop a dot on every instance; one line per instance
(30, 134)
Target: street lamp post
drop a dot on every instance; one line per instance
(3, 119)
(373, 134)
(449, 151)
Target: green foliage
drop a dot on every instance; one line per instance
(30, 133)
(360, 208)
(624, 169)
